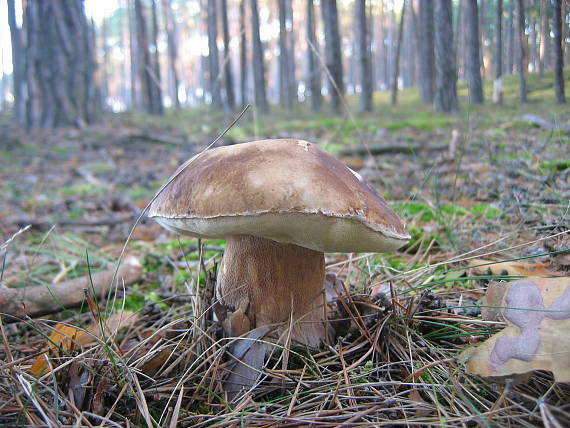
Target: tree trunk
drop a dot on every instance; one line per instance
(60, 65)
(544, 37)
(105, 65)
(364, 57)
(426, 64)
(228, 75)
(511, 37)
(285, 96)
(313, 62)
(558, 53)
(383, 49)
(258, 67)
(158, 108)
(481, 35)
(445, 71)
(472, 65)
(292, 81)
(459, 40)
(522, 54)
(171, 36)
(242, 55)
(136, 93)
(396, 65)
(146, 66)
(498, 82)
(333, 54)
(213, 57)
(17, 65)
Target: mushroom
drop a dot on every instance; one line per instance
(280, 204)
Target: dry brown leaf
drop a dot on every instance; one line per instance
(65, 338)
(482, 266)
(537, 336)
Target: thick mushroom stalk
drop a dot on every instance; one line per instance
(277, 283)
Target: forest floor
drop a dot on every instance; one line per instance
(484, 183)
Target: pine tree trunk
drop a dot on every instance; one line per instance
(426, 64)
(242, 55)
(333, 54)
(228, 75)
(498, 82)
(285, 98)
(521, 50)
(364, 57)
(60, 65)
(145, 62)
(472, 65)
(511, 38)
(17, 65)
(258, 67)
(459, 40)
(558, 53)
(213, 56)
(171, 37)
(157, 106)
(445, 99)
(292, 81)
(396, 65)
(105, 64)
(136, 90)
(544, 37)
(481, 25)
(313, 62)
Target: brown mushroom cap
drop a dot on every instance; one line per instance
(289, 191)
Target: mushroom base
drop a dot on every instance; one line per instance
(267, 283)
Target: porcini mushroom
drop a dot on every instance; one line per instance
(280, 204)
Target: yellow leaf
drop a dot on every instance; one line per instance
(482, 266)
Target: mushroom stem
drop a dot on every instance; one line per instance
(274, 281)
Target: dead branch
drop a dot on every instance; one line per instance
(46, 299)
(545, 124)
(380, 149)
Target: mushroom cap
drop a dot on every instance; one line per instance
(288, 190)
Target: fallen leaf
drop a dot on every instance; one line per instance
(66, 338)
(482, 267)
(537, 312)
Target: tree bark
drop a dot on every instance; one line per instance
(17, 65)
(522, 52)
(333, 54)
(544, 37)
(396, 65)
(258, 67)
(146, 67)
(313, 62)
(558, 53)
(445, 99)
(472, 64)
(228, 75)
(481, 35)
(171, 36)
(156, 80)
(511, 38)
(213, 57)
(292, 43)
(242, 55)
(285, 96)
(426, 63)
(459, 40)
(498, 82)
(60, 65)
(364, 57)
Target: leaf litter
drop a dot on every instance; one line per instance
(493, 213)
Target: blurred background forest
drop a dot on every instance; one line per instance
(71, 61)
